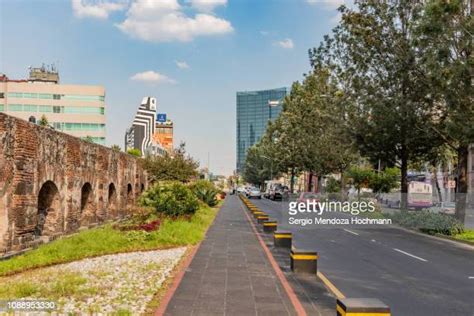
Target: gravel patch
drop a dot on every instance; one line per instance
(113, 283)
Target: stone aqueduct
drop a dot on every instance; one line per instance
(52, 184)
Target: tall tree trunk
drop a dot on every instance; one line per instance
(310, 182)
(343, 184)
(438, 189)
(292, 180)
(461, 183)
(404, 180)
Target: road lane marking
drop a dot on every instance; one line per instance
(373, 240)
(331, 286)
(471, 277)
(409, 254)
(350, 231)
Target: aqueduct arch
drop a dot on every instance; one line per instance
(112, 201)
(88, 210)
(129, 194)
(50, 214)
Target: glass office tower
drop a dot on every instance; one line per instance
(254, 109)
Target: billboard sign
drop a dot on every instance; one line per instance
(161, 117)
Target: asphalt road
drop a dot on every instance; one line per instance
(414, 274)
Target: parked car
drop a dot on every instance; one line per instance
(254, 193)
(445, 208)
(241, 190)
(278, 192)
(269, 184)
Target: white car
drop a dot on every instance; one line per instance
(254, 193)
(241, 190)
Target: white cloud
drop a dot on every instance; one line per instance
(97, 9)
(150, 9)
(286, 43)
(328, 4)
(206, 5)
(181, 64)
(151, 76)
(164, 21)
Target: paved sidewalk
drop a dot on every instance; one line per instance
(230, 273)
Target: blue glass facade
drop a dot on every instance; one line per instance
(254, 109)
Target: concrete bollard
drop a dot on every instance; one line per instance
(361, 306)
(262, 218)
(258, 213)
(270, 226)
(303, 261)
(282, 238)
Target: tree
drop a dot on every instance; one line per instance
(88, 139)
(446, 37)
(134, 152)
(332, 185)
(375, 57)
(325, 126)
(384, 181)
(359, 178)
(43, 121)
(256, 169)
(178, 166)
(115, 148)
(287, 144)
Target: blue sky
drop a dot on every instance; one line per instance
(192, 55)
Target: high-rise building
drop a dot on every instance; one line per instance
(254, 110)
(164, 133)
(78, 110)
(140, 134)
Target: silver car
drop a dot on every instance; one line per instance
(254, 193)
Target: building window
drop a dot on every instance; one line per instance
(87, 127)
(84, 97)
(56, 109)
(2, 95)
(84, 110)
(58, 125)
(30, 108)
(30, 95)
(15, 94)
(1, 107)
(15, 107)
(45, 109)
(45, 96)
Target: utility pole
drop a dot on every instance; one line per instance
(208, 166)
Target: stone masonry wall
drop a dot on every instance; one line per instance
(53, 184)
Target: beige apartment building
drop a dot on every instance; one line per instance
(78, 110)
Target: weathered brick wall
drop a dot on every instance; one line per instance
(52, 184)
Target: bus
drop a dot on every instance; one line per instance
(420, 195)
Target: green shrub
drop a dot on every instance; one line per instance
(205, 191)
(171, 198)
(428, 222)
(333, 186)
